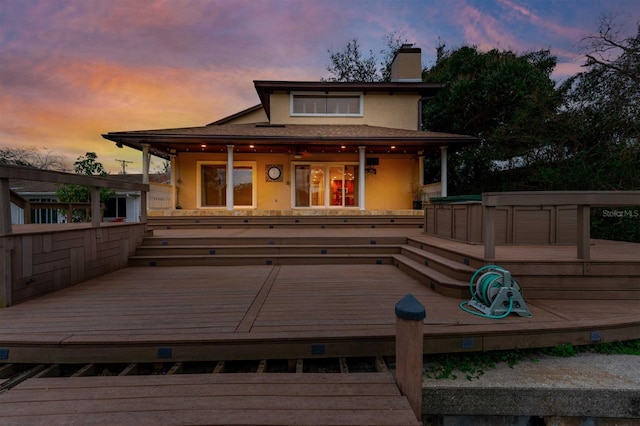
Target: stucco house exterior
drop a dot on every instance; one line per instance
(307, 148)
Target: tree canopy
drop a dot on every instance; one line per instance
(537, 134)
(351, 64)
(39, 158)
(602, 111)
(507, 100)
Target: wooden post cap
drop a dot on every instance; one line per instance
(408, 308)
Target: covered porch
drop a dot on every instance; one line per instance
(261, 168)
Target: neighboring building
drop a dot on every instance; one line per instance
(123, 206)
(309, 146)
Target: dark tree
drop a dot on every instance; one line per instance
(507, 100)
(39, 158)
(351, 65)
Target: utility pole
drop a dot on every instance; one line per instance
(124, 165)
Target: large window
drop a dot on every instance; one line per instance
(326, 185)
(213, 184)
(326, 104)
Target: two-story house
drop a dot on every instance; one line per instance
(308, 147)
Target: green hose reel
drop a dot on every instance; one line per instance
(495, 294)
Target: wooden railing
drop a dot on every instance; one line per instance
(38, 259)
(95, 183)
(584, 200)
(27, 206)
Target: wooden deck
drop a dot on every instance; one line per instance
(147, 314)
(211, 399)
(292, 307)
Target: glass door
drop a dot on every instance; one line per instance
(213, 185)
(326, 185)
(318, 186)
(336, 186)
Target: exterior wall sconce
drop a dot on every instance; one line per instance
(371, 164)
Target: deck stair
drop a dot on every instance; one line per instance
(442, 274)
(272, 222)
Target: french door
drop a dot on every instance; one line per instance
(325, 185)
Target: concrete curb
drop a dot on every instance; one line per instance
(587, 385)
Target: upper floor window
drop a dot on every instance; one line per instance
(338, 104)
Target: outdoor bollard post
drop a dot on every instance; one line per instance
(410, 315)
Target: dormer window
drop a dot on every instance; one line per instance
(326, 104)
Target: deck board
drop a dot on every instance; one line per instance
(272, 398)
(177, 306)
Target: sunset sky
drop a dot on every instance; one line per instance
(71, 70)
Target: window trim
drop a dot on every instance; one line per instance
(292, 96)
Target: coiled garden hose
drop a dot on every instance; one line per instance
(491, 280)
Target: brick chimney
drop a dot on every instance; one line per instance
(406, 66)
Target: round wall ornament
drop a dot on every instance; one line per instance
(274, 173)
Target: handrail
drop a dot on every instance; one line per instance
(94, 182)
(562, 198)
(27, 173)
(584, 200)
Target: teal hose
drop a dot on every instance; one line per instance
(491, 279)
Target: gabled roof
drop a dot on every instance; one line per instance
(232, 117)
(266, 87)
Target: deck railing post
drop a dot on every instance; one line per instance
(410, 315)
(95, 207)
(583, 232)
(489, 232)
(5, 207)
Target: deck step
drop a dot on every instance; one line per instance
(445, 252)
(262, 259)
(437, 281)
(275, 240)
(444, 265)
(262, 249)
(442, 274)
(250, 222)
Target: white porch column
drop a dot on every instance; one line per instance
(361, 175)
(229, 177)
(443, 171)
(145, 163)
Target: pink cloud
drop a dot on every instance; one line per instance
(546, 23)
(483, 30)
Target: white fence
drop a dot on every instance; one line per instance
(159, 196)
